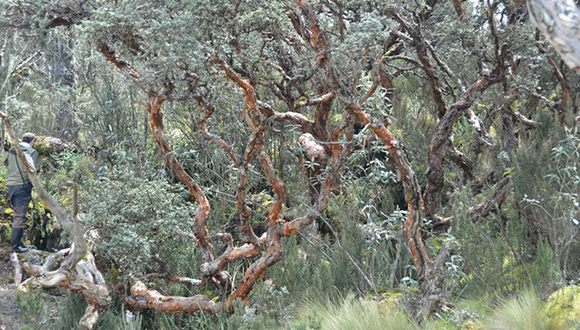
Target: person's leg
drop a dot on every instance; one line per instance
(20, 196)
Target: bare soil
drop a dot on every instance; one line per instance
(9, 313)
(10, 317)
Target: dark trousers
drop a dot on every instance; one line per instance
(20, 197)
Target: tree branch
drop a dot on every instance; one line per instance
(154, 109)
(559, 22)
(143, 297)
(111, 56)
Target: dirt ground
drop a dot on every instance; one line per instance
(10, 318)
(9, 315)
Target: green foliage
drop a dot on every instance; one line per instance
(33, 309)
(499, 260)
(563, 306)
(136, 218)
(359, 258)
(53, 81)
(115, 317)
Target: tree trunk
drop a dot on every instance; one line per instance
(559, 21)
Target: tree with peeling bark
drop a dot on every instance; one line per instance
(72, 268)
(558, 21)
(271, 114)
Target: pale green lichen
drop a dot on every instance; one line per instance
(563, 306)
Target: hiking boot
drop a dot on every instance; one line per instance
(21, 248)
(16, 240)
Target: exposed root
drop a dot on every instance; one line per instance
(17, 268)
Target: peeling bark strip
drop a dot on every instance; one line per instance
(203, 207)
(559, 21)
(496, 200)
(111, 56)
(143, 297)
(442, 133)
(560, 75)
(406, 175)
(72, 272)
(404, 171)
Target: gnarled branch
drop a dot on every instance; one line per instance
(559, 22)
(72, 272)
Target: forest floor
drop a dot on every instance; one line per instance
(10, 313)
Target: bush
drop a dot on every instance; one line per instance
(135, 218)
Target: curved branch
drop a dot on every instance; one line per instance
(559, 22)
(406, 175)
(203, 207)
(246, 213)
(277, 186)
(296, 118)
(443, 130)
(332, 169)
(316, 101)
(245, 251)
(112, 56)
(497, 199)
(143, 297)
(247, 88)
(216, 139)
(423, 57)
(75, 229)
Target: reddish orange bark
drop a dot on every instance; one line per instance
(404, 171)
(154, 108)
(143, 297)
(111, 56)
(459, 8)
(413, 198)
(560, 75)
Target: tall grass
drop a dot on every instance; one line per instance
(348, 313)
(522, 312)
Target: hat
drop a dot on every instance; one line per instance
(29, 136)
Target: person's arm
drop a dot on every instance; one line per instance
(36, 160)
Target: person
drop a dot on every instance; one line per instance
(20, 189)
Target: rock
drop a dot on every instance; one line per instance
(563, 306)
(47, 145)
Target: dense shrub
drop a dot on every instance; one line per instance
(134, 219)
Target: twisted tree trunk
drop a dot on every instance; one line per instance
(72, 268)
(559, 21)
